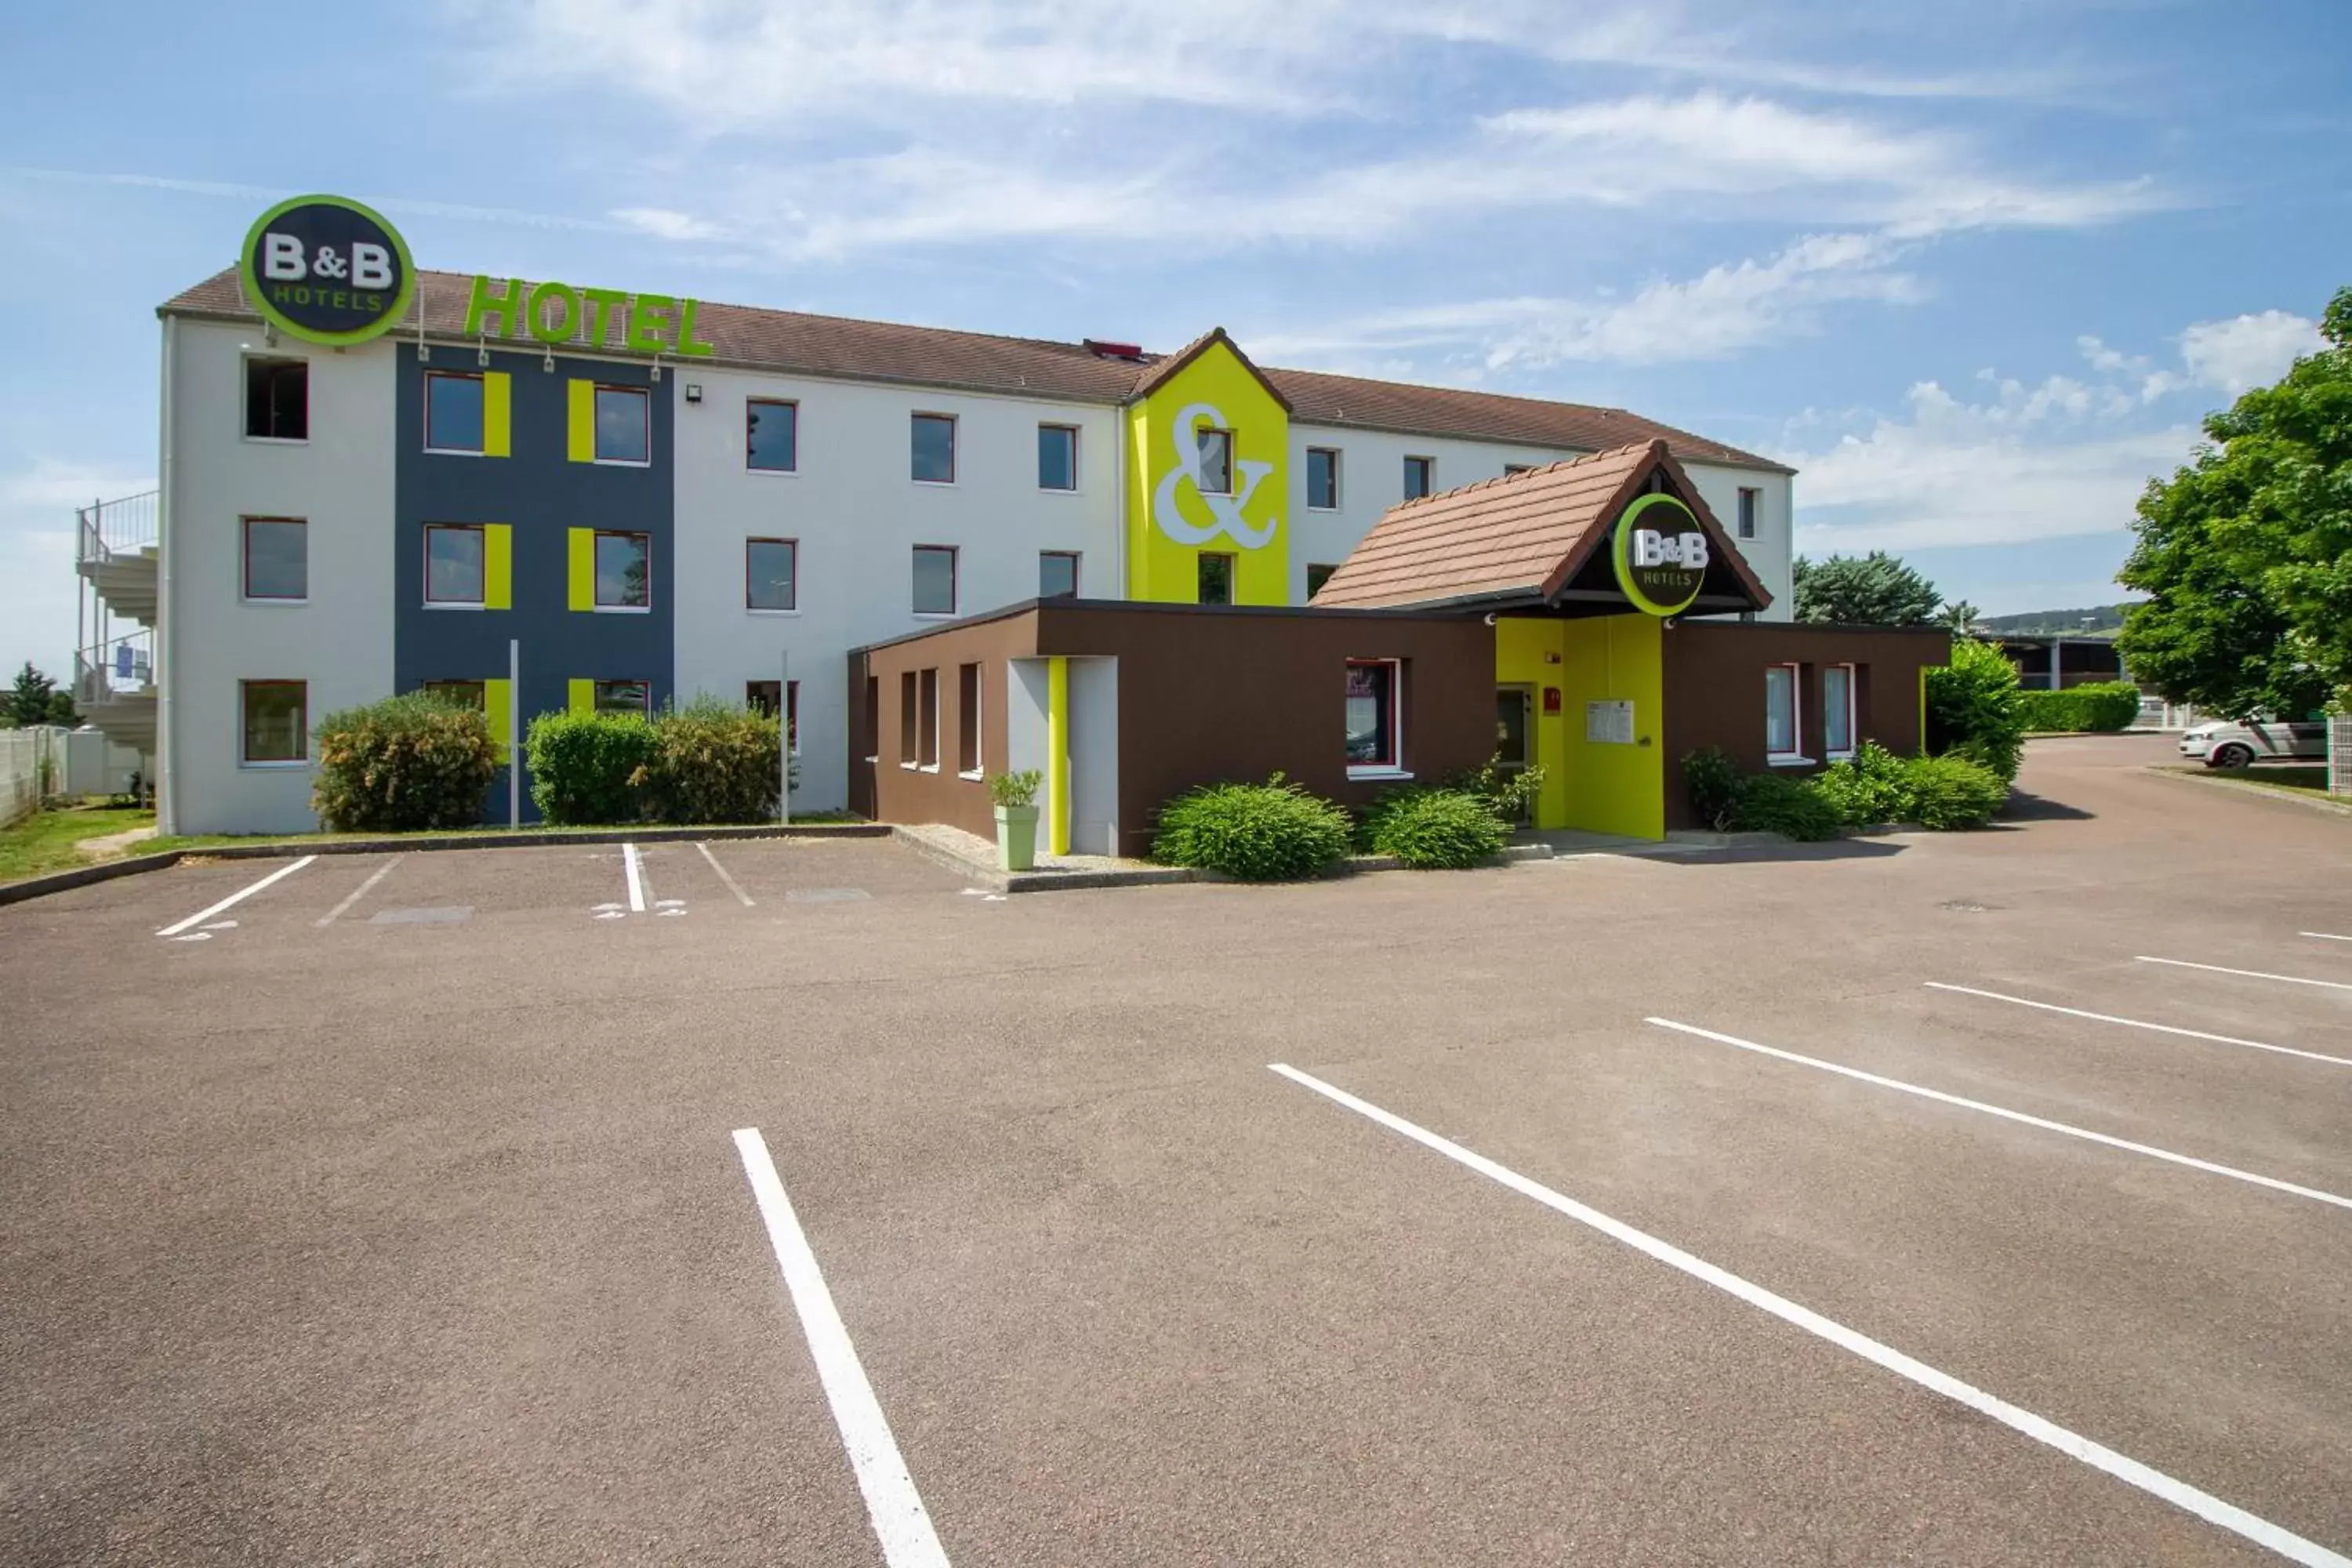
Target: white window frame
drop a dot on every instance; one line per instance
(244, 725)
(473, 375)
(245, 560)
(1072, 487)
(1747, 512)
(645, 397)
(424, 588)
(955, 448)
(1233, 448)
(750, 467)
(955, 582)
(1394, 767)
(1339, 494)
(750, 540)
(1795, 757)
(647, 608)
(1852, 741)
(978, 717)
(244, 374)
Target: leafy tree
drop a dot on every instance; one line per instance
(1960, 616)
(1872, 590)
(2246, 554)
(32, 698)
(62, 710)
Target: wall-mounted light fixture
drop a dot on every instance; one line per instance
(482, 355)
(694, 392)
(548, 363)
(424, 355)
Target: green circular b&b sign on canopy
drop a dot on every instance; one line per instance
(1661, 554)
(327, 270)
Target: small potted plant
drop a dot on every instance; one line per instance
(1015, 796)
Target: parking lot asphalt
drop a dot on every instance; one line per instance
(405, 1218)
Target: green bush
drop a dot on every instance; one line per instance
(1949, 793)
(1259, 833)
(1874, 787)
(403, 764)
(2106, 705)
(1973, 709)
(712, 762)
(1435, 829)
(589, 768)
(1014, 790)
(1711, 782)
(1793, 809)
(1511, 794)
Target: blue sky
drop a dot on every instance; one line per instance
(1975, 271)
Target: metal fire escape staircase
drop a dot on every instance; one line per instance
(117, 546)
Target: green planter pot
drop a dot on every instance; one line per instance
(1016, 837)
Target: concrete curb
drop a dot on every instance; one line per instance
(986, 874)
(279, 849)
(2258, 792)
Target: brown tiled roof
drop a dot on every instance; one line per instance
(1160, 369)
(1517, 538)
(796, 343)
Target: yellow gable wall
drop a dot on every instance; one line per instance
(1596, 785)
(1170, 523)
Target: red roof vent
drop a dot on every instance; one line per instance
(1113, 350)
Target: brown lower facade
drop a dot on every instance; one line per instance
(1120, 706)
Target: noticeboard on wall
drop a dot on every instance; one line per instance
(1609, 722)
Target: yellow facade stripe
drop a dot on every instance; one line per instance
(581, 542)
(1058, 757)
(498, 414)
(579, 696)
(498, 566)
(498, 707)
(581, 444)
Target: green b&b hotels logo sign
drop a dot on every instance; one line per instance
(327, 270)
(1661, 554)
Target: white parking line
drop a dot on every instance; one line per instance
(731, 885)
(2017, 1116)
(2325, 935)
(900, 1521)
(238, 897)
(2130, 1471)
(2142, 1024)
(357, 893)
(2249, 973)
(637, 877)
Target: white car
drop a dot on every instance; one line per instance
(2222, 744)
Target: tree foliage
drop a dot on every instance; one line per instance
(2246, 554)
(1872, 590)
(34, 698)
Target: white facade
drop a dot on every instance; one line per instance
(339, 639)
(856, 517)
(1371, 480)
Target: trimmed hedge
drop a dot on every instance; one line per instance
(2106, 706)
(1793, 809)
(588, 768)
(1434, 829)
(403, 764)
(713, 762)
(1260, 833)
(1948, 793)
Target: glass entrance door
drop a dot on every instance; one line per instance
(1514, 732)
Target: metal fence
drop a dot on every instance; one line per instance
(32, 763)
(2339, 754)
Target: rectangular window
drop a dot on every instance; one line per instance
(453, 412)
(1747, 524)
(1216, 579)
(276, 559)
(624, 697)
(772, 574)
(1837, 711)
(1419, 474)
(935, 580)
(277, 720)
(1322, 478)
(1372, 715)
(453, 564)
(1058, 573)
(772, 436)
(760, 696)
(471, 694)
(907, 718)
(624, 577)
(1058, 457)
(277, 399)
(1780, 711)
(1317, 575)
(967, 720)
(624, 425)
(1216, 462)
(934, 454)
(927, 704)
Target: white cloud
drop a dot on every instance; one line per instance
(2247, 350)
(664, 224)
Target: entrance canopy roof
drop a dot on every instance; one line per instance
(1536, 542)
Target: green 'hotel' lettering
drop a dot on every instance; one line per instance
(647, 323)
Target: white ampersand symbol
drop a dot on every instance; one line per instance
(327, 264)
(1226, 509)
